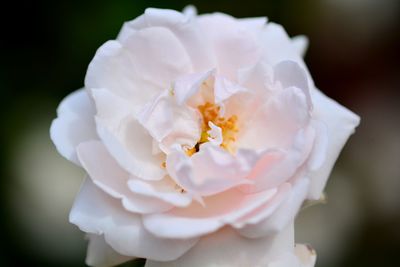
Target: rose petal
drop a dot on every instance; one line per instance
(211, 170)
(226, 248)
(300, 43)
(284, 215)
(320, 147)
(281, 166)
(112, 179)
(185, 29)
(164, 190)
(126, 140)
(266, 209)
(190, 11)
(224, 89)
(277, 121)
(340, 123)
(196, 219)
(258, 77)
(187, 86)
(169, 123)
(253, 25)
(100, 254)
(214, 134)
(74, 124)
(116, 69)
(96, 213)
(277, 46)
(290, 74)
(234, 46)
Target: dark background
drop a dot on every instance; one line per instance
(353, 56)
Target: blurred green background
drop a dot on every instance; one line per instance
(353, 56)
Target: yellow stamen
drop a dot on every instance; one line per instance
(210, 112)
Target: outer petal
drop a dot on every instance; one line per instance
(197, 220)
(255, 25)
(277, 46)
(126, 140)
(340, 123)
(75, 124)
(234, 46)
(112, 179)
(95, 212)
(164, 190)
(114, 68)
(100, 254)
(266, 225)
(184, 27)
(290, 74)
(282, 166)
(146, 62)
(300, 43)
(228, 249)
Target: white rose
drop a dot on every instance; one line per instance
(201, 137)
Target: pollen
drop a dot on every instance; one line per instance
(229, 128)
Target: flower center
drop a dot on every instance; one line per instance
(210, 113)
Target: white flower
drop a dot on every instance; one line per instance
(201, 137)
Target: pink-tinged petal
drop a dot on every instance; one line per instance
(234, 46)
(197, 219)
(125, 138)
(266, 209)
(258, 77)
(300, 43)
(254, 25)
(278, 166)
(145, 63)
(211, 170)
(284, 214)
(116, 69)
(162, 57)
(187, 86)
(185, 29)
(100, 254)
(97, 213)
(277, 46)
(74, 124)
(340, 123)
(169, 123)
(112, 179)
(226, 248)
(290, 74)
(164, 190)
(320, 147)
(224, 89)
(277, 121)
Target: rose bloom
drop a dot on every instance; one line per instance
(201, 137)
